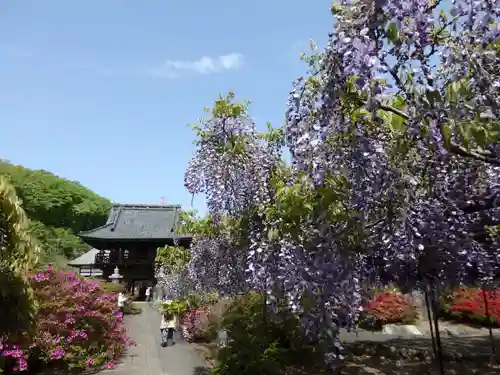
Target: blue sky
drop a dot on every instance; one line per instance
(102, 91)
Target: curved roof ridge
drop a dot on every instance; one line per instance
(142, 205)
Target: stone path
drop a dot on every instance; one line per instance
(149, 358)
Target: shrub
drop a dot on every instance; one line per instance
(198, 317)
(130, 308)
(195, 300)
(196, 324)
(467, 305)
(388, 307)
(201, 324)
(112, 287)
(79, 325)
(176, 307)
(107, 286)
(18, 253)
(261, 344)
(215, 318)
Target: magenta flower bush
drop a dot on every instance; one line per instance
(79, 326)
(195, 324)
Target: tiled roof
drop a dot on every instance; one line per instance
(137, 222)
(87, 259)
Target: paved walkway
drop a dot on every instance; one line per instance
(149, 358)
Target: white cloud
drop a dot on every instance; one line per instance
(203, 66)
(170, 69)
(232, 61)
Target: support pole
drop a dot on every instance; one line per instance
(439, 347)
(429, 317)
(487, 313)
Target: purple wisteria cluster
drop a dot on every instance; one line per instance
(224, 166)
(395, 165)
(387, 108)
(217, 265)
(231, 168)
(173, 284)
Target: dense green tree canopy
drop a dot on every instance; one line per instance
(58, 210)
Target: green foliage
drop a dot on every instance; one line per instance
(494, 232)
(58, 208)
(58, 244)
(172, 258)
(190, 223)
(224, 107)
(259, 345)
(174, 308)
(17, 309)
(196, 300)
(313, 58)
(19, 249)
(297, 204)
(18, 255)
(274, 136)
(131, 308)
(207, 226)
(192, 301)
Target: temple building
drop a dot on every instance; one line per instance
(85, 264)
(129, 240)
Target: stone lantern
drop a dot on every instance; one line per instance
(116, 277)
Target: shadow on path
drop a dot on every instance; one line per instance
(454, 348)
(201, 371)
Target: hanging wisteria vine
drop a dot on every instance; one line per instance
(395, 167)
(231, 167)
(170, 273)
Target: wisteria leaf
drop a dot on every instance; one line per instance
(392, 32)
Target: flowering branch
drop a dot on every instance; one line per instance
(452, 146)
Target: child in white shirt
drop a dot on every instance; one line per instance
(167, 329)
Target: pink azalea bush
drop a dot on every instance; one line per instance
(79, 326)
(195, 324)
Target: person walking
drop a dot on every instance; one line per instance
(168, 326)
(148, 294)
(121, 302)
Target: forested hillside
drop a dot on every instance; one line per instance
(58, 209)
